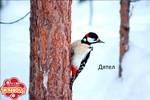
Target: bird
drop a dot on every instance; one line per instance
(80, 53)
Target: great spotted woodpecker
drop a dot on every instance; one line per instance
(80, 53)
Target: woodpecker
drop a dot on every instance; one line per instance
(80, 53)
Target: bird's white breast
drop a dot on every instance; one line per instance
(79, 52)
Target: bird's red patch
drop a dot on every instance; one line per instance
(87, 35)
(74, 70)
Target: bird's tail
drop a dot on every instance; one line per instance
(71, 82)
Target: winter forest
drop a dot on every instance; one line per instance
(35, 48)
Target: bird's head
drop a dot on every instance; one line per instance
(91, 38)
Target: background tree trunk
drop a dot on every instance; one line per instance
(124, 30)
(50, 37)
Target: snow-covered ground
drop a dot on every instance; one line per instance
(92, 84)
(15, 43)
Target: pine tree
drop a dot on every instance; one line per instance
(50, 37)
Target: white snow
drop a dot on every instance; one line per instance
(45, 80)
(91, 84)
(15, 44)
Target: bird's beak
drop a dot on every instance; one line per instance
(99, 41)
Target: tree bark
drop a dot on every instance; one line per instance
(50, 37)
(124, 31)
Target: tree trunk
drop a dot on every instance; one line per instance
(50, 37)
(124, 30)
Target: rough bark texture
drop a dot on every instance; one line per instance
(124, 30)
(50, 37)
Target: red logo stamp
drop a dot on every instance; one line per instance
(13, 88)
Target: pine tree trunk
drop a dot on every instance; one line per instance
(50, 37)
(124, 31)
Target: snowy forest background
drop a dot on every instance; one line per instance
(92, 84)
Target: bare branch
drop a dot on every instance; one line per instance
(12, 22)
